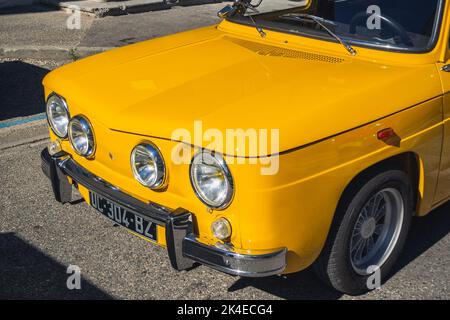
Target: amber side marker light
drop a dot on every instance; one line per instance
(385, 134)
(389, 137)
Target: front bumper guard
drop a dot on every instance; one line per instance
(183, 248)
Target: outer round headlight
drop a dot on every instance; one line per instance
(148, 166)
(81, 136)
(57, 115)
(212, 180)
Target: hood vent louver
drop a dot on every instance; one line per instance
(273, 51)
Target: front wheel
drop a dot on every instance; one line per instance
(368, 233)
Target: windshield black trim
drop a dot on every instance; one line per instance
(365, 44)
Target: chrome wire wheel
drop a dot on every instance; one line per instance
(376, 230)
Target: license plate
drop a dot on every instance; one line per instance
(120, 215)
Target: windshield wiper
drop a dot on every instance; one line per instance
(258, 28)
(241, 7)
(323, 24)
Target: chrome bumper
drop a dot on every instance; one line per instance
(183, 248)
(244, 265)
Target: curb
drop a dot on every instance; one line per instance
(104, 9)
(41, 139)
(38, 118)
(117, 8)
(50, 52)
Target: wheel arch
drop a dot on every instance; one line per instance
(408, 162)
(328, 266)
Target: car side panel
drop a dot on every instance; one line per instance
(443, 189)
(295, 208)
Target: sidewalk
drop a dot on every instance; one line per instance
(40, 32)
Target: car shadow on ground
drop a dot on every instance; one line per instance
(21, 91)
(425, 233)
(28, 273)
(298, 286)
(26, 9)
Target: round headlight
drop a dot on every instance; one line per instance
(148, 166)
(211, 180)
(81, 136)
(57, 115)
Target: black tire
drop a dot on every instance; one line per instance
(334, 266)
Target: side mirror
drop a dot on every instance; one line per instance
(226, 11)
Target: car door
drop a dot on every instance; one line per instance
(443, 189)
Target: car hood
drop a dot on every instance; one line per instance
(225, 82)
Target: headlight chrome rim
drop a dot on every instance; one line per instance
(220, 162)
(53, 95)
(86, 129)
(161, 176)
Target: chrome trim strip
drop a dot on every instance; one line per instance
(234, 263)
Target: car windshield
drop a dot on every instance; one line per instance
(397, 25)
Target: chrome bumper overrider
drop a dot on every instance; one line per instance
(183, 248)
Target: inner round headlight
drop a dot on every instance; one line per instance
(57, 115)
(212, 180)
(148, 166)
(81, 136)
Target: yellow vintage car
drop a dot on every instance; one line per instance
(313, 132)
